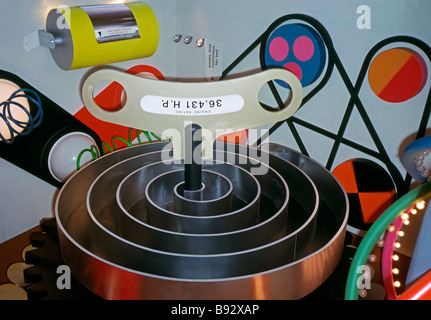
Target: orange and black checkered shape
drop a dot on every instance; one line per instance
(370, 190)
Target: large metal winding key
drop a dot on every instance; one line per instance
(168, 107)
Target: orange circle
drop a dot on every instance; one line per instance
(397, 75)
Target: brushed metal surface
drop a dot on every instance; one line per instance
(104, 249)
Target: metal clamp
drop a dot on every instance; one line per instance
(46, 39)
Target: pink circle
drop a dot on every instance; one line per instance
(279, 48)
(294, 68)
(303, 48)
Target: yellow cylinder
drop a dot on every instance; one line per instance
(96, 35)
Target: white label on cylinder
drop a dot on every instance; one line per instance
(117, 32)
(192, 106)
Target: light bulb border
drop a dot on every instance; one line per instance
(376, 230)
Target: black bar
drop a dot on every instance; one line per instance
(193, 158)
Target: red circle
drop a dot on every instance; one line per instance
(397, 74)
(119, 95)
(294, 68)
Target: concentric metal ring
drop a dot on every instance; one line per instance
(290, 250)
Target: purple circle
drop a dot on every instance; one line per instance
(279, 49)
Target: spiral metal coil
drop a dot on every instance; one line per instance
(129, 230)
(9, 107)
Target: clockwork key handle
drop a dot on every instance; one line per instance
(169, 107)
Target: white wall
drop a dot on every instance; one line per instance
(25, 199)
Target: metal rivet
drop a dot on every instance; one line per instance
(200, 42)
(188, 39)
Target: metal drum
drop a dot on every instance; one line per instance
(129, 230)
